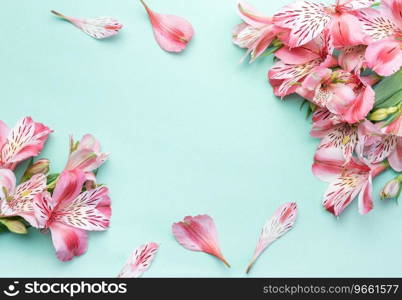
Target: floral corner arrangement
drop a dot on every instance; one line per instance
(68, 204)
(345, 61)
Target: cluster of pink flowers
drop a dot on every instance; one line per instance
(67, 204)
(344, 59)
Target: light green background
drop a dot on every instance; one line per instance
(188, 134)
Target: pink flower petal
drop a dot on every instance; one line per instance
(98, 28)
(251, 16)
(68, 241)
(172, 33)
(385, 56)
(279, 224)
(346, 31)
(395, 158)
(85, 154)
(305, 19)
(296, 56)
(139, 261)
(361, 106)
(352, 59)
(198, 234)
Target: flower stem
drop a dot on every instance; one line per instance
(58, 14)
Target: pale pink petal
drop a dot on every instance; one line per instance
(4, 131)
(343, 137)
(43, 206)
(68, 186)
(280, 223)
(24, 195)
(352, 59)
(316, 76)
(251, 16)
(328, 163)
(172, 33)
(395, 158)
(361, 106)
(25, 140)
(7, 182)
(83, 213)
(366, 198)
(262, 44)
(346, 31)
(198, 234)
(139, 261)
(98, 28)
(323, 122)
(285, 78)
(305, 19)
(68, 241)
(296, 56)
(393, 8)
(355, 4)
(85, 154)
(342, 191)
(376, 25)
(385, 56)
(342, 97)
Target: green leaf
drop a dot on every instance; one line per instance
(387, 88)
(394, 100)
(14, 226)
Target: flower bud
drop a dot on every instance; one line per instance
(378, 115)
(14, 226)
(391, 189)
(41, 166)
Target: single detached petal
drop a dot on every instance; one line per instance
(139, 261)
(98, 28)
(198, 234)
(280, 223)
(172, 33)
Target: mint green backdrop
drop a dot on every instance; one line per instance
(188, 134)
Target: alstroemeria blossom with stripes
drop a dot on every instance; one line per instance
(307, 20)
(69, 213)
(24, 141)
(17, 200)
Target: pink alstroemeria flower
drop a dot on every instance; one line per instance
(98, 28)
(335, 134)
(384, 26)
(68, 213)
(378, 142)
(295, 64)
(18, 200)
(307, 20)
(344, 94)
(172, 33)
(85, 154)
(23, 141)
(256, 33)
(347, 180)
(198, 234)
